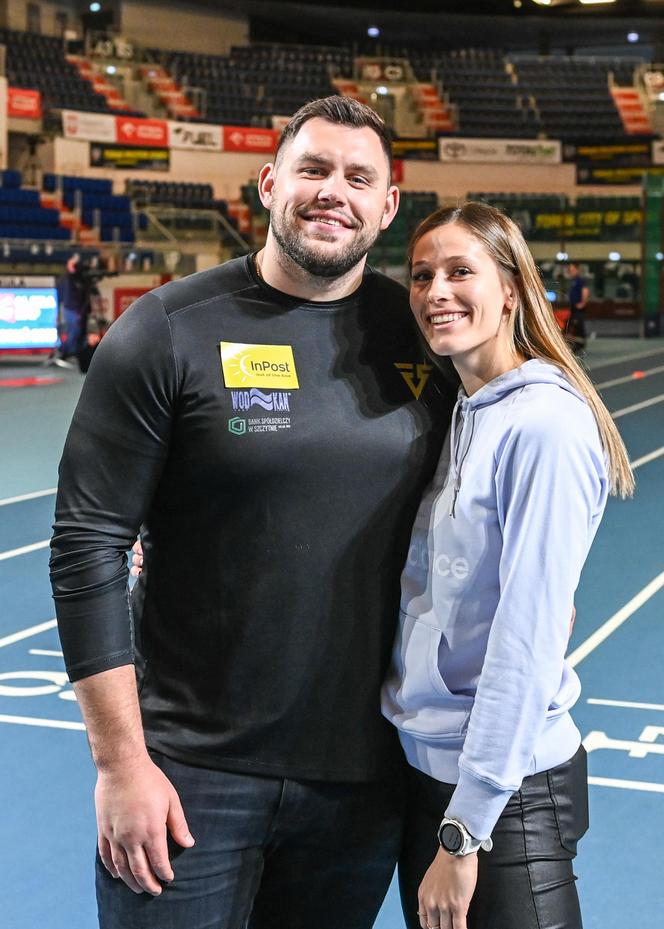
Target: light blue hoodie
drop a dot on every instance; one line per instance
(479, 688)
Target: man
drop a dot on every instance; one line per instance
(579, 295)
(72, 308)
(275, 413)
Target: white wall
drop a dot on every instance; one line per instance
(16, 17)
(182, 27)
(226, 172)
(457, 180)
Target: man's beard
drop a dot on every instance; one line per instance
(296, 246)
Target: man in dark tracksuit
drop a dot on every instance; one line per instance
(271, 423)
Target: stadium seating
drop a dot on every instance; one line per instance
(38, 62)
(254, 82)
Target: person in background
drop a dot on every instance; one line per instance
(578, 296)
(72, 309)
(479, 688)
(276, 411)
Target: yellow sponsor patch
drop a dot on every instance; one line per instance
(270, 366)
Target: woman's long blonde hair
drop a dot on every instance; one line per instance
(533, 329)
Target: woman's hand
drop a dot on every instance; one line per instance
(136, 558)
(446, 891)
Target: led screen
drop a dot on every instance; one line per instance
(28, 318)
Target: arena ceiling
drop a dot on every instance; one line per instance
(564, 24)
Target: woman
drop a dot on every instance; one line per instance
(479, 689)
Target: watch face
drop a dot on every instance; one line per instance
(451, 838)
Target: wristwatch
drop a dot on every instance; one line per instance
(455, 839)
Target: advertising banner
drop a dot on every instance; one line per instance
(249, 139)
(28, 318)
(23, 104)
(89, 127)
(126, 156)
(618, 155)
(194, 136)
(596, 174)
(500, 151)
(418, 149)
(133, 131)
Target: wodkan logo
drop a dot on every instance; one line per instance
(277, 400)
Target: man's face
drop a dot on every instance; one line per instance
(328, 197)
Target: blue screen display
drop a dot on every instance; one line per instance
(28, 317)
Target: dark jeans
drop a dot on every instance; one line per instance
(526, 881)
(269, 854)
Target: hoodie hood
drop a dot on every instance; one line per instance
(463, 417)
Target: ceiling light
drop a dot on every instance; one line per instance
(373, 32)
(588, 2)
(614, 256)
(632, 37)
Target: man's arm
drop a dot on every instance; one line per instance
(119, 438)
(136, 803)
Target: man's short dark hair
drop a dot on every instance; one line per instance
(342, 111)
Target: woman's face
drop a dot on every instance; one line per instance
(460, 299)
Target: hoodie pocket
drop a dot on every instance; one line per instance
(425, 707)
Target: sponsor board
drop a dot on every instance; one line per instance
(133, 131)
(125, 156)
(194, 136)
(596, 174)
(658, 152)
(500, 151)
(421, 149)
(248, 139)
(23, 104)
(618, 155)
(90, 127)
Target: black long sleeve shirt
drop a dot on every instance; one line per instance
(275, 452)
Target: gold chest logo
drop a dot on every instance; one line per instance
(415, 375)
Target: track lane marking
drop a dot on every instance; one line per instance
(614, 622)
(626, 785)
(30, 496)
(627, 704)
(38, 721)
(24, 550)
(629, 378)
(619, 360)
(625, 411)
(645, 459)
(26, 633)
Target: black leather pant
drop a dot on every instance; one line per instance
(526, 881)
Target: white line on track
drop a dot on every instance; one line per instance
(31, 496)
(24, 550)
(26, 633)
(36, 721)
(651, 456)
(630, 377)
(627, 704)
(637, 406)
(625, 785)
(49, 653)
(620, 359)
(615, 621)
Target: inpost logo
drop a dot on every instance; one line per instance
(237, 425)
(415, 375)
(260, 366)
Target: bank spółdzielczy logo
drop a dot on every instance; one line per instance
(237, 425)
(415, 375)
